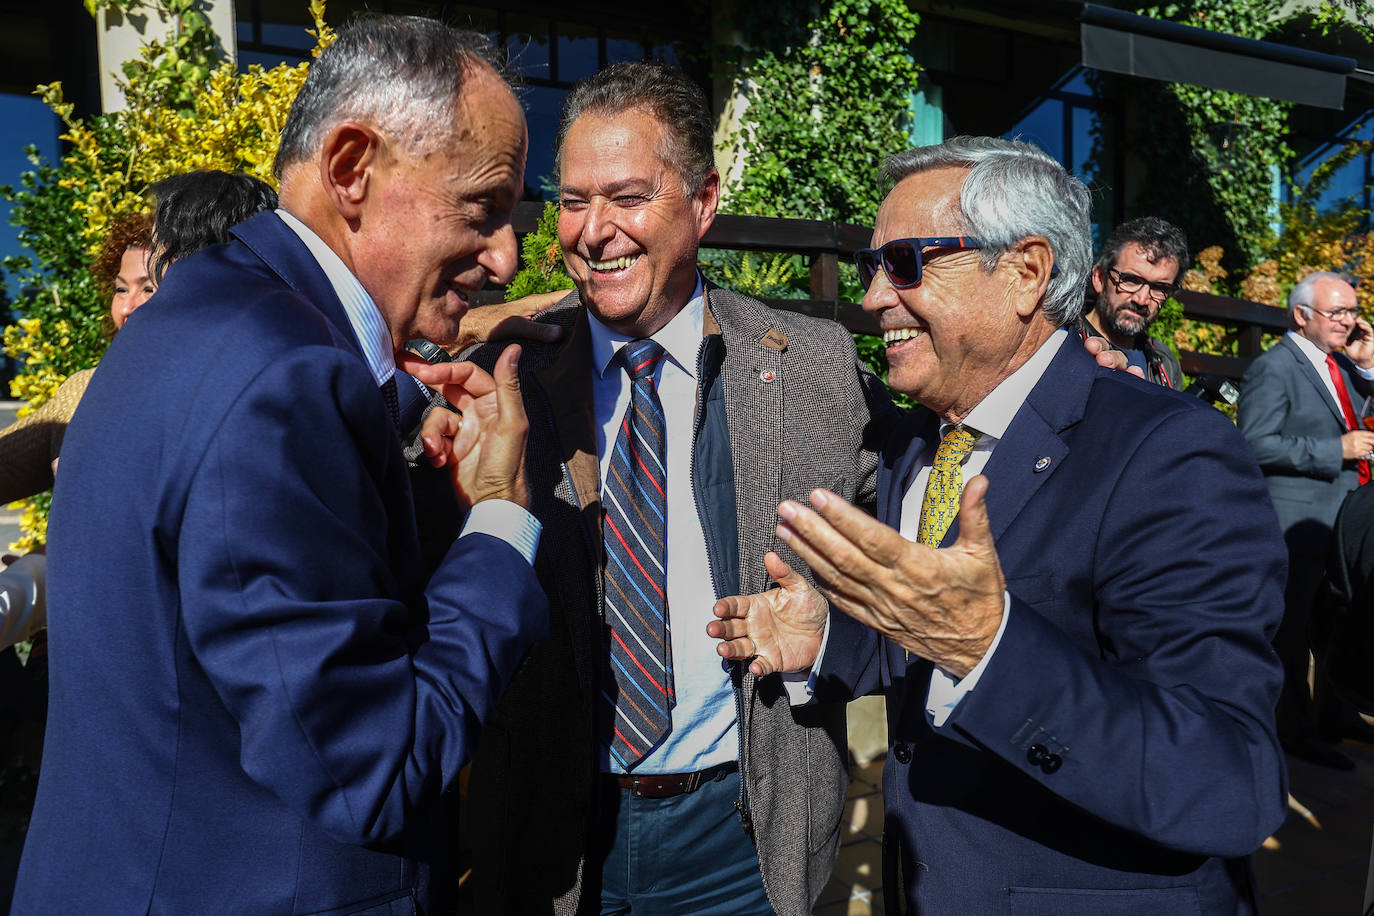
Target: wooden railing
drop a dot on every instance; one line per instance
(824, 243)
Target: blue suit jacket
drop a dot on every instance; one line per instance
(256, 701)
(1145, 570)
(1295, 429)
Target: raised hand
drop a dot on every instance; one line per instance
(507, 321)
(780, 629)
(483, 445)
(943, 605)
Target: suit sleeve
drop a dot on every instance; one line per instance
(358, 693)
(1262, 415)
(1167, 728)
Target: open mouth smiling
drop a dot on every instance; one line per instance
(613, 264)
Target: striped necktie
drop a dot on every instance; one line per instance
(638, 690)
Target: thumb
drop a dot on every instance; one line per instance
(975, 531)
(782, 574)
(507, 377)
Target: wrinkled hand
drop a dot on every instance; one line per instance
(943, 605)
(1356, 444)
(507, 321)
(1361, 349)
(484, 444)
(1109, 358)
(780, 629)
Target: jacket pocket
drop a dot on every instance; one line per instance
(1073, 901)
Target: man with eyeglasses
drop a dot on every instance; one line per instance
(1138, 270)
(1300, 408)
(1080, 712)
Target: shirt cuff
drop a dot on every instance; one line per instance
(1366, 374)
(947, 692)
(507, 521)
(801, 685)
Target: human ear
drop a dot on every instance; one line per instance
(348, 157)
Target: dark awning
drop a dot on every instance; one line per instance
(1124, 42)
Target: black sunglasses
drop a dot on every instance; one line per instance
(901, 258)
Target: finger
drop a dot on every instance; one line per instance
(733, 606)
(781, 573)
(829, 554)
(878, 541)
(452, 379)
(727, 630)
(507, 380)
(974, 528)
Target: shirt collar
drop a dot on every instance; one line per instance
(1314, 353)
(363, 315)
(680, 338)
(995, 412)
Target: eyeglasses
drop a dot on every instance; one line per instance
(1130, 284)
(901, 259)
(1335, 314)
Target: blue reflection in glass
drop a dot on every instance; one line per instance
(618, 49)
(577, 57)
(28, 122)
(543, 106)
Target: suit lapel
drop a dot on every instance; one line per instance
(1309, 372)
(286, 255)
(919, 432)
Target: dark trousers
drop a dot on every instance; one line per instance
(1300, 713)
(673, 856)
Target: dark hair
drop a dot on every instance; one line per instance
(665, 92)
(196, 209)
(125, 232)
(1161, 240)
(399, 73)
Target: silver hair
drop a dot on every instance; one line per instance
(1013, 191)
(1303, 293)
(400, 74)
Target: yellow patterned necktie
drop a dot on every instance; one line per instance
(945, 485)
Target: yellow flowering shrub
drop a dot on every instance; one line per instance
(181, 116)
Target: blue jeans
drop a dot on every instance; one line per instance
(681, 856)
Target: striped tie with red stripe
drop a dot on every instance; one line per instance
(638, 690)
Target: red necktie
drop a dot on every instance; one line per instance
(1344, 397)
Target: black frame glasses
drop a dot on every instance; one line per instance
(902, 261)
(1130, 284)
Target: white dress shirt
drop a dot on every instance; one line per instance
(499, 518)
(704, 730)
(990, 420)
(1317, 357)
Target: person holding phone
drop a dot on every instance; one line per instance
(1298, 410)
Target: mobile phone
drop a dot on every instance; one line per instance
(1354, 335)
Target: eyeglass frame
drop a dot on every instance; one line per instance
(1120, 281)
(1349, 312)
(955, 242)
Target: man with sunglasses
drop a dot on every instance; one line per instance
(1300, 408)
(1138, 270)
(1080, 710)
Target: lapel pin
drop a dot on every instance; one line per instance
(766, 375)
(1041, 463)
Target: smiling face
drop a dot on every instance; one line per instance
(1121, 315)
(1329, 296)
(963, 329)
(628, 226)
(133, 285)
(434, 228)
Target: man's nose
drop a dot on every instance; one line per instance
(599, 227)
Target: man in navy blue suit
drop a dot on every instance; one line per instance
(1074, 645)
(257, 699)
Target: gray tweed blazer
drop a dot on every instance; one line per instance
(817, 421)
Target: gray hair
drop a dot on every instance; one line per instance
(1013, 191)
(665, 92)
(1304, 292)
(400, 74)
(1161, 240)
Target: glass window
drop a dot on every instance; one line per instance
(579, 53)
(623, 48)
(1349, 185)
(27, 122)
(543, 107)
(527, 40)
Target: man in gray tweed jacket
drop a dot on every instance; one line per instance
(737, 809)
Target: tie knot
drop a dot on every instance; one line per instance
(956, 445)
(640, 358)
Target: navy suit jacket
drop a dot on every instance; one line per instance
(1295, 429)
(256, 700)
(1118, 754)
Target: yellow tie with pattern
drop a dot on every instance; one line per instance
(945, 485)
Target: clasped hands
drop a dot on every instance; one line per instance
(943, 605)
(483, 444)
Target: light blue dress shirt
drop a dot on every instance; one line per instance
(499, 518)
(704, 731)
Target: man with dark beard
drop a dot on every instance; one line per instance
(1137, 271)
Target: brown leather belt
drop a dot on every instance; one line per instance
(668, 785)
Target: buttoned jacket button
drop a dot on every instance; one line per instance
(1036, 754)
(1051, 763)
(902, 753)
